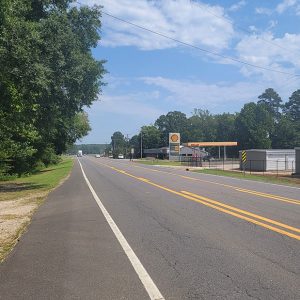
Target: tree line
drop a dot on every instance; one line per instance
(47, 76)
(267, 123)
(87, 149)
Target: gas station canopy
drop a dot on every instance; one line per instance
(210, 144)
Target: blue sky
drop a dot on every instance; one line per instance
(150, 75)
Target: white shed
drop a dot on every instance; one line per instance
(268, 160)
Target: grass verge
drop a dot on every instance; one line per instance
(270, 178)
(20, 198)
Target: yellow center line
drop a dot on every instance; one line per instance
(280, 198)
(218, 206)
(243, 211)
(260, 194)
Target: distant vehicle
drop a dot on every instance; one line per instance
(110, 156)
(79, 153)
(97, 155)
(120, 156)
(207, 158)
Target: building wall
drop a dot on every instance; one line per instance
(256, 160)
(269, 160)
(188, 151)
(297, 160)
(281, 160)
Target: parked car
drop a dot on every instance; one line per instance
(121, 156)
(207, 158)
(97, 155)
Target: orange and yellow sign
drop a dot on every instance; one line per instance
(174, 138)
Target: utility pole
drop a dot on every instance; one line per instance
(141, 144)
(126, 144)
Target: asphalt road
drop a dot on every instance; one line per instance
(188, 235)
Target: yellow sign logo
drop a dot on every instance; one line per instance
(174, 138)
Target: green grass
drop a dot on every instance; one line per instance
(285, 180)
(41, 181)
(158, 162)
(30, 190)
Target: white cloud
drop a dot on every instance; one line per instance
(263, 11)
(280, 8)
(139, 105)
(284, 5)
(270, 52)
(237, 5)
(272, 24)
(218, 97)
(185, 20)
(253, 28)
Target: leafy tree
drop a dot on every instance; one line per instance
(88, 148)
(151, 137)
(254, 124)
(225, 127)
(225, 131)
(118, 143)
(272, 101)
(292, 107)
(286, 135)
(287, 131)
(136, 145)
(47, 76)
(173, 121)
(202, 126)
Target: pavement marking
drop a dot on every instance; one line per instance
(257, 193)
(275, 197)
(145, 278)
(218, 206)
(245, 212)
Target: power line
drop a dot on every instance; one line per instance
(239, 27)
(202, 49)
(199, 48)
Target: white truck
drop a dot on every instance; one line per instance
(79, 153)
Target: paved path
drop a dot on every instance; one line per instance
(196, 236)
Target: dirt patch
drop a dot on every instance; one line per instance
(15, 215)
(18, 202)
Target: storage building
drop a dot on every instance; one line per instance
(268, 160)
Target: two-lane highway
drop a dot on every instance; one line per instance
(172, 234)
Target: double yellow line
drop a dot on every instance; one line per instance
(253, 192)
(248, 216)
(228, 209)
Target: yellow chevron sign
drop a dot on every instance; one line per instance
(244, 156)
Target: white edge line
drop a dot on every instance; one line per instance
(249, 180)
(226, 177)
(145, 278)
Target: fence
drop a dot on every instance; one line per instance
(228, 164)
(276, 166)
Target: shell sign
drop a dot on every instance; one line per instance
(174, 138)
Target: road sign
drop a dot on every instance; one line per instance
(174, 145)
(244, 156)
(174, 138)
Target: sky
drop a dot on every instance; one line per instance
(150, 75)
